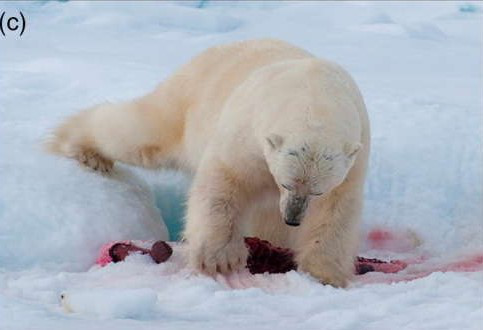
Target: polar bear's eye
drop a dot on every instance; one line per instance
(317, 194)
(289, 188)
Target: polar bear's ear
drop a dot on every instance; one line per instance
(274, 141)
(351, 149)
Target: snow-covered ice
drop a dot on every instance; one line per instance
(419, 66)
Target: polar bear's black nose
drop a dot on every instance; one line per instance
(293, 223)
(295, 211)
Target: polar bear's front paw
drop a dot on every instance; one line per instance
(95, 161)
(325, 271)
(211, 258)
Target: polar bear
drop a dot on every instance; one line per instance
(277, 141)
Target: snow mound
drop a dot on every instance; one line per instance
(425, 31)
(55, 214)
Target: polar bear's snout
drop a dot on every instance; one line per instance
(293, 210)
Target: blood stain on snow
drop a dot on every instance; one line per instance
(474, 263)
(383, 239)
(471, 264)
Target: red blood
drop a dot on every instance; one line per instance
(379, 238)
(365, 265)
(396, 241)
(263, 257)
(160, 252)
(472, 264)
(120, 251)
(363, 268)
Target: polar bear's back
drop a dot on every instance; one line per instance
(200, 89)
(205, 83)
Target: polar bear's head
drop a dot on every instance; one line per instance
(305, 169)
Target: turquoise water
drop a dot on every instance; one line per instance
(171, 203)
(469, 8)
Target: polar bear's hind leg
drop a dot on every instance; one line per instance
(138, 133)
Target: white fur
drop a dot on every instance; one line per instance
(266, 128)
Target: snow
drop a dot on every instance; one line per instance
(419, 68)
(110, 303)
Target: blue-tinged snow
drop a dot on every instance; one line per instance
(419, 68)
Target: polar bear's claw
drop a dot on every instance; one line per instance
(94, 161)
(211, 260)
